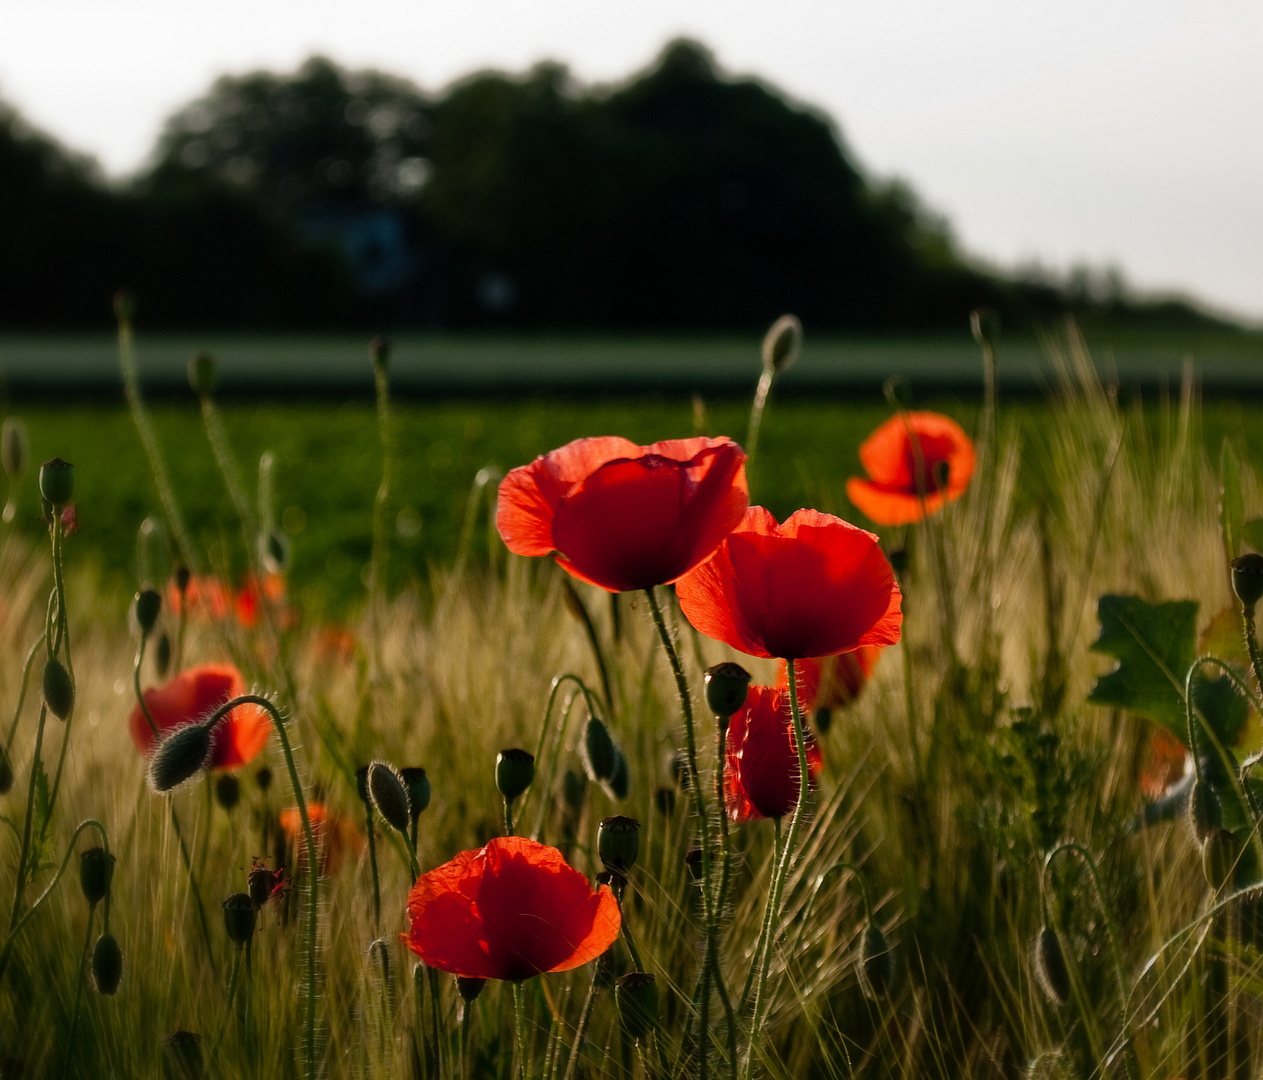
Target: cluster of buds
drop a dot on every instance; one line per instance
(96, 872)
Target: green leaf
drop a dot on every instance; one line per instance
(1155, 645)
(1253, 533)
(43, 801)
(1231, 503)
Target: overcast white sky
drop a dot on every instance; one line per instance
(1111, 132)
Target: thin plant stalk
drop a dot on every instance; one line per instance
(377, 563)
(26, 677)
(585, 1014)
(756, 411)
(372, 861)
(83, 961)
(519, 1007)
(232, 992)
(466, 1066)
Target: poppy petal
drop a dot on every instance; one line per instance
(893, 493)
(444, 927)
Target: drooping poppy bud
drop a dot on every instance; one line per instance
(598, 751)
(202, 374)
(515, 769)
(619, 783)
(59, 691)
(107, 964)
(469, 989)
(1247, 579)
(876, 962)
(162, 655)
(782, 343)
(179, 756)
(1050, 966)
(1204, 813)
(14, 448)
(618, 843)
(726, 687)
(418, 785)
(1219, 858)
(227, 791)
(182, 1056)
(96, 868)
(57, 481)
(240, 914)
(148, 606)
(636, 996)
(390, 796)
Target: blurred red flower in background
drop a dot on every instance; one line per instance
(811, 587)
(623, 516)
(333, 834)
(510, 910)
(892, 495)
(206, 596)
(252, 594)
(193, 695)
(829, 682)
(761, 774)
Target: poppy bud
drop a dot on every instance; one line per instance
(240, 914)
(386, 788)
(14, 448)
(574, 786)
(6, 771)
(182, 579)
(1205, 815)
(876, 962)
(618, 843)
(202, 374)
(418, 785)
(59, 691)
(1247, 579)
(619, 783)
(598, 751)
(515, 769)
(727, 685)
(1219, 858)
(636, 996)
(162, 655)
(782, 343)
(264, 779)
(147, 607)
(1050, 967)
(95, 871)
(107, 964)
(664, 799)
(379, 350)
(57, 481)
(984, 324)
(228, 791)
(469, 989)
(179, 756)
(182, 1056)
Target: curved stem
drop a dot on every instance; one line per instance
(543, 737)
(20, 883)
(1111, 927)
(26, 676)
(756, 412)
(837, 868)
(74, 1019)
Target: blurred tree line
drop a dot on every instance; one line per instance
(681, 199)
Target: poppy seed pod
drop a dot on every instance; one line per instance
(179, 756)
(418, 785)
(379, 351)
(227, 791)
(240, 914)
(148, 606)
(598, 750)
(618, 843)
(59, 691)
(6, 771)
(515, 769)
(107, 964)
(636, 996)
(469, 989)
(876, 963)
(1219, 858)
(1247, 579)
(162, 655)
(182, 1056)
(782, 343)
(57, 481)
(619, 783)
(1204, 814)
(390, 796)
(202, 374)
(14, 448)
(96, 868)
(726, 687)
(1050, 967)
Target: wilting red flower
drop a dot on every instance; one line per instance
(892, 495)
(207, 596)
(510, 910)
(333, 834)
(828, 682)
(761, 777)
(193, 695)
(813, 586)
(623, 516)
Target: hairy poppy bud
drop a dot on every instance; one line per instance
(664, 800)
(14, 448)
(202, 374)
(1204, 813)
(1219, 858)
(1247, 579)
(727, 685)
(574, 786)
(182, 1056)
(59, 691)
(179, 756)
(1050, 967)
(6, 771)
(418, 785)
(107, 964)
(876, 962)
(390, 796)
(96, 868)
(379, 351)
(57, 481)
(618, 843)
(162, 655)
(240, 914)
(636, 996)
(598, 750)
(147, 607)
(984, 324)
(228, 791)
(264, 779)
(515, 769)
(469, 989)
(619, 782)
(782, 342)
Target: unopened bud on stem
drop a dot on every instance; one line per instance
(390, 796)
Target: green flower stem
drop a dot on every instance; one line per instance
(575, 601)
(372, 861)
(26, 678)
(74, 1019)
(519, 1007)
(721, 897)
(1252, 641)
(585, 1014)
(778, 883)
(193, 887)
(433, 976)
(61, 641)
(466, 1066)
(232, 990)
(25, 850)
(543, 737)
(730, 1016)
(777, 849)
(756, 412)
(508, 817)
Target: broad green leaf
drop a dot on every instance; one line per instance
(1231, 503)
(1252, 533)
(1225, 710)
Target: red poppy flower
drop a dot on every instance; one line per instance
(761, 778)
(205, 595)
(828, 682)
(623, 516)
(813, 586)
(333, 834)
(891, 495)
(510, 910)
(252, 594)
(193, 695)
